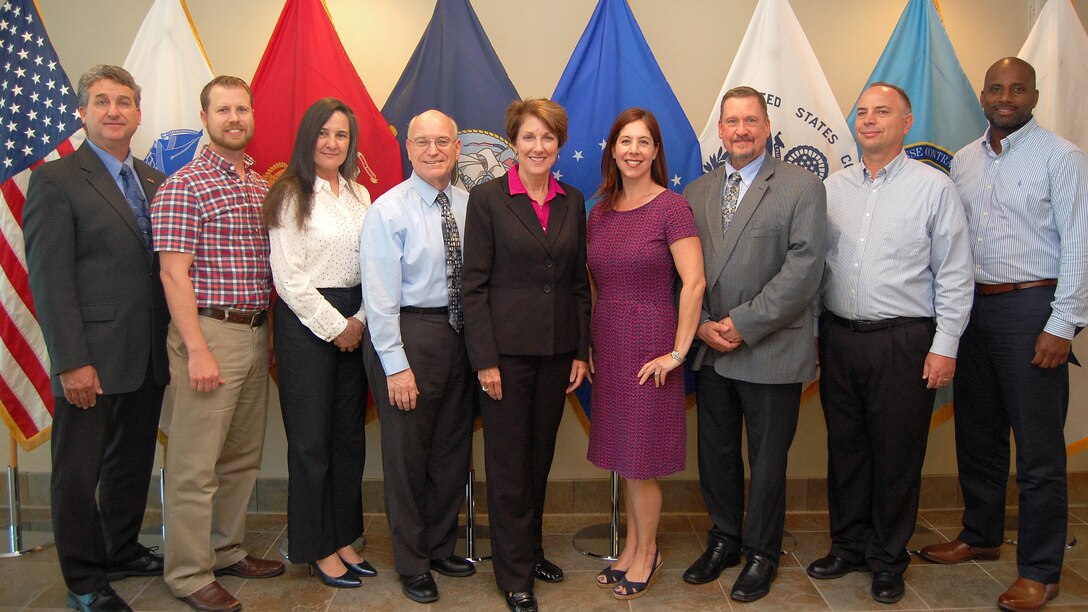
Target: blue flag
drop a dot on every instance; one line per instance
(455, 69)
(613, 69)
(920, 59)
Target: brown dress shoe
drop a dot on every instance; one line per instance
(252, 567)
(958, 551)
(1025, 595)
(213, 598)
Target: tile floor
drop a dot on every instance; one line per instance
(33, 582)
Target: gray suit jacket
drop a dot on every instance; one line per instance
(764, 272)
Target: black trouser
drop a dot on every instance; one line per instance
(877, 409)
(323, 400)
(425, 451)
(996, 388)
(109, 449)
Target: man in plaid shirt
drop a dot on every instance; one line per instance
(213, 250)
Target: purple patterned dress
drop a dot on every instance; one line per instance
(638, 431)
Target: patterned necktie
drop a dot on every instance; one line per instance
(136, 203)
(454, 262)
(730, 201)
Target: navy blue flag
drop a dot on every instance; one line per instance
(613, 69)
(455, 70)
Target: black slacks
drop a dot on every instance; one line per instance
(997, 389)
(107, 449)
(519, 442)
(767, 414)
(323, 401)
(877, 409)
(425, 451)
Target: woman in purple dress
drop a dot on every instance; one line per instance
(641, 236)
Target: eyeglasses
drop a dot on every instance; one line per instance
(441, 142)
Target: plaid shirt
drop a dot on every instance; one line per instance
(205, 210)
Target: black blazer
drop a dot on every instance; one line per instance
(526, 293)
(96, 287)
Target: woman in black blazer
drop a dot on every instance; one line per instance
(526, 299)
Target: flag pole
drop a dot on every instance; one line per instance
(19, 541)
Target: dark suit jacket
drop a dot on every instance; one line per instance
(96, 287)
(526, 292)
(764, 272)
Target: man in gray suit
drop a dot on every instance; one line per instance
(763, 227)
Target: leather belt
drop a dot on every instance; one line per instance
(1010, 287)
(252, 319)
(871, 326)
(437, 310)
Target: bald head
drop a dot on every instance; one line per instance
(1026, 70)
(433, 147)
(1008, 96)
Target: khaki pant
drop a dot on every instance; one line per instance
(214, 453)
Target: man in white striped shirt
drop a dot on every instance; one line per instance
(1026, 195)
(896, 293)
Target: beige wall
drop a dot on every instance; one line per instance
(693, 40)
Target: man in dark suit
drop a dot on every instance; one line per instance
(96, 288)
(763, 227)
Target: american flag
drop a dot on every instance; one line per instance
(38, 122)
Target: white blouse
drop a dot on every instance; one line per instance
(324, 254)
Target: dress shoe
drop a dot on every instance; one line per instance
(102, 600)
(887, 587)
(717, 556)
(548, 571)
(213, 598)
(958, 551)
(831, 567)
(755, 579)
(457, 567)
(362, 569)
(347, 580)
(420, 589)
(149, 563)
(1026, 595)
(252, 567)
(523, 601)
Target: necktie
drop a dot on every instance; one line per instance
(454, 262)
(136, 203)
(730, 201)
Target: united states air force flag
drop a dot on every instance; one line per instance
(807, 127)
(612, 69)
(169, 64)
(455, 70)
(920, 59)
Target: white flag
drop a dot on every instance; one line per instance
(1058, 49)
(807, 127)
(169, 64)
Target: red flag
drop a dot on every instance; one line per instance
(305, 61)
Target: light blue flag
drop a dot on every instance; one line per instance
(920, 59)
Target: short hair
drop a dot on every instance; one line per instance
(550, 113)
(611, 184)
(897, 89)
(97, 73)
(745, 91)
(412, 121)
(222, 80)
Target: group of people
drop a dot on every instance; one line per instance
(154, 293)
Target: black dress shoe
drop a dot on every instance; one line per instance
(362, 569)
(347, 580)
(755, 579)
(149, 563)
(420, 589)
(717, 556)
(548, 571)
(887, 587)
(102, 600)
(457, 567)
(523, 601)
(831, 567)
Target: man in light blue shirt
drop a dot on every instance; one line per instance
(1025, 191)
(896, 293)
(415, 357)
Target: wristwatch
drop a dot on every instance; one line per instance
(677, 356)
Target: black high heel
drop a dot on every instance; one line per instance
(363, 569)
(345, 581)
